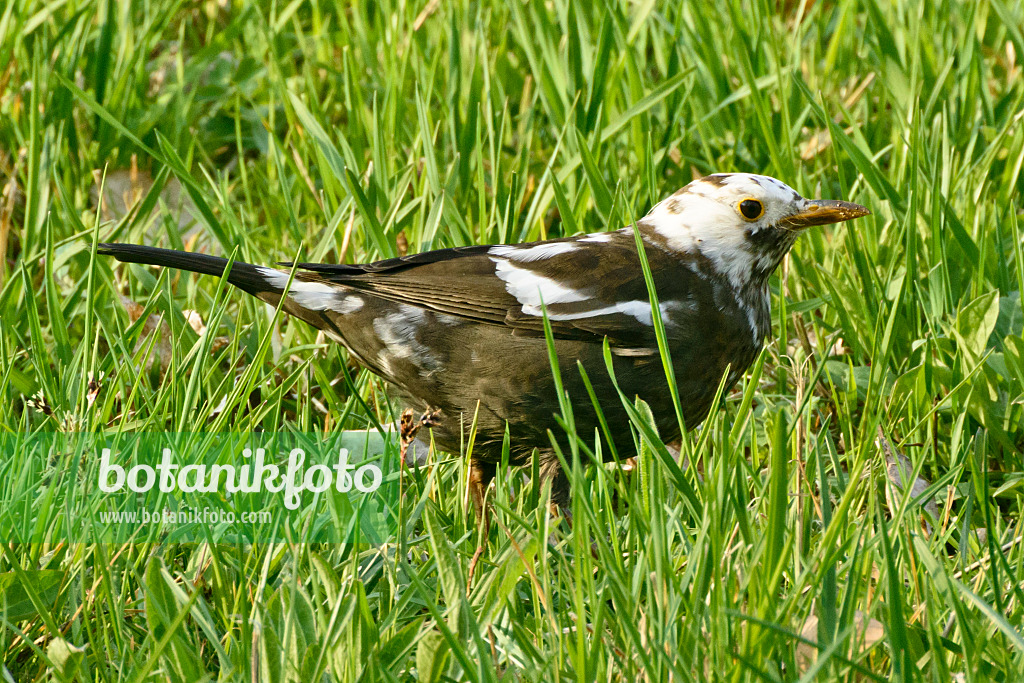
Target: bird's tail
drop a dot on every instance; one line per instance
(245, 276)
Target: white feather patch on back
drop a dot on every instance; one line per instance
(641, 310)
(534, 253)
(349, 304)
(531, 289)
(316, 296)
(398, 333)
(449, 320)
(598, 237)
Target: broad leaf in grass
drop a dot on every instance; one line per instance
(1010, 320)
(15, 604)
(431, 657)
(975, 322)
(180, 658)
(849, 377)
(66, 658)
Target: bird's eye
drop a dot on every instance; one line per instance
(751, 209)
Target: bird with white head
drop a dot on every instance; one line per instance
(461, 330)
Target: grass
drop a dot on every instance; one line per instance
(789, 550)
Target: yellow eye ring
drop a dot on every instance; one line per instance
(750, 209)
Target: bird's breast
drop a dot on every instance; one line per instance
(715, 331)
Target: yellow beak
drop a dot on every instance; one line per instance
(823, 212)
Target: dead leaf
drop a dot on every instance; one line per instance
(866, 633)
(899, 469)
(155, 326)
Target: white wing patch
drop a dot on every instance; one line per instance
(603, 237)
(531, 289)
(641, 310)
(534, 292)
(535, 253)
(349, 304)
(316, 296)
(449, 320)
(398, 333)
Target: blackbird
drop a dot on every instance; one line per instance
(461, 330)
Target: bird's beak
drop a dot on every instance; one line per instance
(823, 212)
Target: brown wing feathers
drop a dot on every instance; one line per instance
(463, 282)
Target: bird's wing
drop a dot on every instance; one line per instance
(592, 286)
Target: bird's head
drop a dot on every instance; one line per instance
(743, 223)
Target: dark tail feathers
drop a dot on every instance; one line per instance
(243, 275)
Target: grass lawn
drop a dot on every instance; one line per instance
(793, 546)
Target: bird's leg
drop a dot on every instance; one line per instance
(561, 496)
(408, 427)
(480, 476)
(561, 490)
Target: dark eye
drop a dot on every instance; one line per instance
(751, 209)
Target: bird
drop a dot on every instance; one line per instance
(459, 332)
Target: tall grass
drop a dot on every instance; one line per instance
(791, 547)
